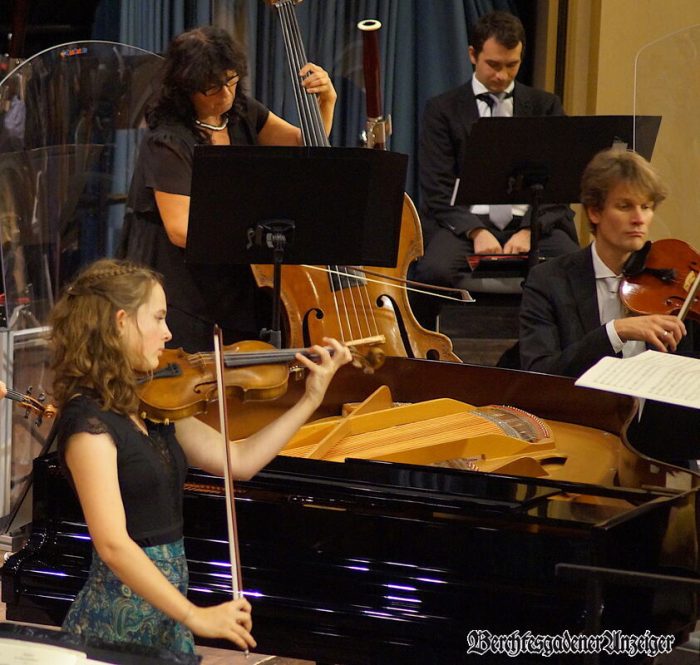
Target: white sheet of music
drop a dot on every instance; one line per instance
(22, 652)
(663, 377)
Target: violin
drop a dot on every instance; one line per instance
(662, 278)
(32, 404)
(184, 384)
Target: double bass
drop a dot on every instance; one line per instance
(339, 301)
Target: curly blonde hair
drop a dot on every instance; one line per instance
(88, 351)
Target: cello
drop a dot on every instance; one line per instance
(339, 301)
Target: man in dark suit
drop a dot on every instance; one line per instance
(453, 232)
(571, 314)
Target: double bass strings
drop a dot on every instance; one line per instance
(310, 118)
(353, 306)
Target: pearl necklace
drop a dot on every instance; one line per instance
(214, 128)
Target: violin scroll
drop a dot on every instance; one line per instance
(33, 404)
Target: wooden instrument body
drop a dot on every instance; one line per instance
(648, 293)
(193, 390)
(362, 308)
(453, 434)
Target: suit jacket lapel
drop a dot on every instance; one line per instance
(583, 288)
(467, 102)
(463, 111)
(522, 104)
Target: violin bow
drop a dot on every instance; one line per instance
(236, 579)
(690, 298)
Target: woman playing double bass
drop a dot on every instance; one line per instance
(201, 102)
(128, 472)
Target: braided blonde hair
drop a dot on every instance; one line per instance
(88, 351)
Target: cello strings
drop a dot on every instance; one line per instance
(311, 137)
(367, 307)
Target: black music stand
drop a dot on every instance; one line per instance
(540, 160)
(338, 206)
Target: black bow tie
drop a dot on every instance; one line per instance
(491, 100)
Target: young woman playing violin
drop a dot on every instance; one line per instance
(571, 314)
(108, 326)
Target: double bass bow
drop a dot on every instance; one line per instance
(340, 301)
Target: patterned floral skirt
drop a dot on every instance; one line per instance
(108, 610)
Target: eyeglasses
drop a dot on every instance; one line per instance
(216, 89)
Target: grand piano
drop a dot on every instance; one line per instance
(369, 561)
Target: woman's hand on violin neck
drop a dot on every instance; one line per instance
(231, 620)
(321, 372)
(660, 331)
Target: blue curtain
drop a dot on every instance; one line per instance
(149, 25)
(423, 47)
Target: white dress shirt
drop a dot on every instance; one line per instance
(610, 306)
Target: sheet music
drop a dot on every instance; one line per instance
(663, 377)
(22, 652)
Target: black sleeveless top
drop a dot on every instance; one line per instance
(151, 468)
(212, 293)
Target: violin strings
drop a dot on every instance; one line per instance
(15, 395)
(273, 356)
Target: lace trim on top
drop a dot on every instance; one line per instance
(92, 425)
